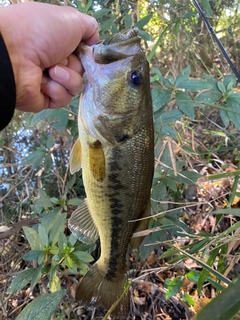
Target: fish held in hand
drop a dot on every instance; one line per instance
(115, 150)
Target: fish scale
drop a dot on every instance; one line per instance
(115, 150)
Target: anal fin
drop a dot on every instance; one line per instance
(82, 225)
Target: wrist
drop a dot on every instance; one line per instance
(7, 81)
(6, 32)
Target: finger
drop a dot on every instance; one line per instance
(56, 95)
(68, 78)
(75, 64)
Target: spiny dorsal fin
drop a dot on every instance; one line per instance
(76, 157)
(82, 225)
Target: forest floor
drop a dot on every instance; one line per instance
(148, 298)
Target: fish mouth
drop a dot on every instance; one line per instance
(115, 48)
(122, 37)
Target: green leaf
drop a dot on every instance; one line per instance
(54, 280)
(36, 276)
(101, 13)
(174, 287)
(42, 257)
(88, 6)
(53, 116)
(43, 234)
(144, 21)
(55, 200)
(207, 8)
(83, 256)
(33, 238)
(235, 118)
(127, 20)
(50, 141)
(106, 25)
(196, 247)
(21, 280)
(34, 158)
(71, 240)
(171, 116)
(169, 131)
(230, 31)
(157, 72)
(50, 219)
(221, 87)
(47, 162)
(187, 177)
(205, 266)
(68, 261)
(228, 79)
(171, 184)
(224, 307)
(228, 211)
(204, 273)
(44, 201)
(31, 255)
(208, 97)
(233, 102)
(40, 116)
(187, 298)
(75, 202)
(185, 104)
(62, 120)
(211, 80)
(225, 118)
(160, 98)
(176, 27)
(71, 182)
(183, 75)
(194, 85)
(193, 275)
(62, 240)
(43, 307)
(188, 14)
(145, 35)
(57, 228)
(159, 192)
(54, 250)
(158, 42)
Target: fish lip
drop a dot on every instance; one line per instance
(101, 53)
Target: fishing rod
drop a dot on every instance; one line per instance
(210, 29)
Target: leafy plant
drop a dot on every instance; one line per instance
(187, 84)
(51, 250)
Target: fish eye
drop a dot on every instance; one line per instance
(136, 78)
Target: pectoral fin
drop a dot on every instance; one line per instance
(97, 161)
(76, 157)
(141, 225)
(82, 225)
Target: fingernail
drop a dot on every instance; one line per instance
(61, 73)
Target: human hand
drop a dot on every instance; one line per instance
(42, 36)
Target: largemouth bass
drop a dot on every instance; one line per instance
(115, 150)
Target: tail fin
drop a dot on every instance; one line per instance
(95, 289)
